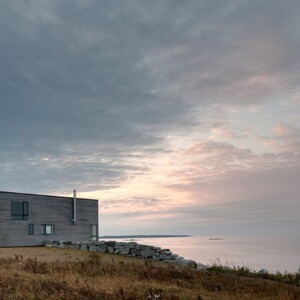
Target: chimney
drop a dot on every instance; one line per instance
(74, 207)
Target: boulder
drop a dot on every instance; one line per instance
(168, 257)
(179, 258)
(201, 267)
(55, 244)
(102, 248)
(147, 253)
(67, 243)
(120, 245)
(84, 247)
(131, 245)
(48, 244)
(125, 251)
(110, 243)
(101, 243)
(165, 252)
(186, 262)
(134, 252)
(132, 249)
(110, 250)
(142, 247)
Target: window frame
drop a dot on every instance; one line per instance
(30, 229)
(22, 214)
(94, 237)
(44, 229)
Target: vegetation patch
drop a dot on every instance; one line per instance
(110, 276)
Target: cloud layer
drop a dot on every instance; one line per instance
(162, 110)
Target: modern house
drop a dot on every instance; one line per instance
(30, 219)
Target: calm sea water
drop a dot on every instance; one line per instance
(273, 253)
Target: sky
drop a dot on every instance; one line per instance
(181, 117)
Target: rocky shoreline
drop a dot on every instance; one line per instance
(132, 249)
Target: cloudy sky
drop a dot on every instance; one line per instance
(179, 116)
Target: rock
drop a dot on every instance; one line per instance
(131, 245)
(147, 253)
(125, 251)
(161, 251)
(201, 267)
(48, 244)
(156, 248)
(134, 252)
(167, 257)
(102, 248)
(263, 272)
(84, 247)
(110, 243)
(131, 249)
(120, 245)
(101, 243)
(142, 247)
(186, 262)
(67, 243)
(179, 258)
(110, 250)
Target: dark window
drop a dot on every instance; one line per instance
(19, 210)
(94, 232)
(47, 229)
(30, 229)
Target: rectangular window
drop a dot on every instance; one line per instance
(47, 229)
(94, 232)
(30, 229)
(19, 210)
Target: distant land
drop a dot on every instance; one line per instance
(142, 236)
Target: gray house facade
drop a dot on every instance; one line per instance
(30, 219)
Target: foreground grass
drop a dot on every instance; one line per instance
(42, 273)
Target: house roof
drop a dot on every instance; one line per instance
(42, 195)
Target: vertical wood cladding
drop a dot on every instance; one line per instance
(46, 210)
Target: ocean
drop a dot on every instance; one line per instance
(274, 253)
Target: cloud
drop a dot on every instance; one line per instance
(104, 96)
(282, 130)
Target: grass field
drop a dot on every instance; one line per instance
(51, 273)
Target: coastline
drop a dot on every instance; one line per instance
(274, 253)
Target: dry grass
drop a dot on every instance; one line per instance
(43, 273)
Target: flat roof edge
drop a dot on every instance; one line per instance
(43, 195)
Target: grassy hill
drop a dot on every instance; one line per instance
(47, 273)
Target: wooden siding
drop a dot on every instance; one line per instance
(46, 210)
